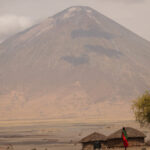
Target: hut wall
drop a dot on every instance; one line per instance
(90, 146)
(131, 141)
(114, 143)
(136, 142)
(130, 148)
(87, 146)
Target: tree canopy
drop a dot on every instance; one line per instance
(141, 108)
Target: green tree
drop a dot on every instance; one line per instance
(141, 108)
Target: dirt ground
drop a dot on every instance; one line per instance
(49, 135)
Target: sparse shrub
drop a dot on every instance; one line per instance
(141, 108)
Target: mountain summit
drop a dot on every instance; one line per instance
(76, 64)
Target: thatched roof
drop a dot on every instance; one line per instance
(93, 137)
(131, 132)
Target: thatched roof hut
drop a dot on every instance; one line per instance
(93, 141)
(93, 137)
(135, 138)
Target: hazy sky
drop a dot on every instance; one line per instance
(16, 15)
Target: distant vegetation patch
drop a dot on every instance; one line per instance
(75, 61)
(94, 32)
(103, 51)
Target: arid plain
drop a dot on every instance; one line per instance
(56, 134)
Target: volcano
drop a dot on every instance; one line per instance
(75, 64)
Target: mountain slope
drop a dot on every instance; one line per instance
(75, 64)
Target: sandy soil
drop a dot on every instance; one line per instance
(50, 135)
